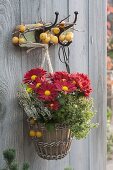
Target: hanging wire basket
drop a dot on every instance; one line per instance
(54, 144)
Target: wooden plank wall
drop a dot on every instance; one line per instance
(97, 72)
(87, 55)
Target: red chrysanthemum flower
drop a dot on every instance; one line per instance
(31, 75)
(53, 105)
(47, 92)
(82, 82)
(59, 76)
(65, 87)
(36, 84)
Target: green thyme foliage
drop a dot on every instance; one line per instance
(77, 113)
(11, 164)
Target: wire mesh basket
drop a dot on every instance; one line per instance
(54, 144)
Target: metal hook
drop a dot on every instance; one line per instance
(65, 59)
(66, 28)
(44, 29)
(56, 19)
(76, 14)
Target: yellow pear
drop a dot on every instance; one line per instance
(56, 30)
(62, 37)
(54, 39)
(22, 40)
(32, 133)
(22, 28)
(70, 33)
(47, 40)
(62, 24)
(43, 36)
(68, 37)
(15, 40)
(38, 134)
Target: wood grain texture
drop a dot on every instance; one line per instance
(97, 72)
(87, 55)
(79, 157)
(31, 11)
(11, 126)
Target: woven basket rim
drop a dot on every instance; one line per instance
(56, 125)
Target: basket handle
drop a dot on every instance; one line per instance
(46, 57)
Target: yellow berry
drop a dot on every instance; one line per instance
(32, 133)
(54, 39)
(29, 90)
(68, 37)
(62, 37)
(22, 40)
(47, 40)
(43, 36)
(62, 24)
(38, 134)
(56, 30)
(15, 40)
(22, 28)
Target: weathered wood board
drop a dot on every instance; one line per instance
(88, 53)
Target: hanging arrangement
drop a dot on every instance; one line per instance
(58, 107)
(45, 35)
